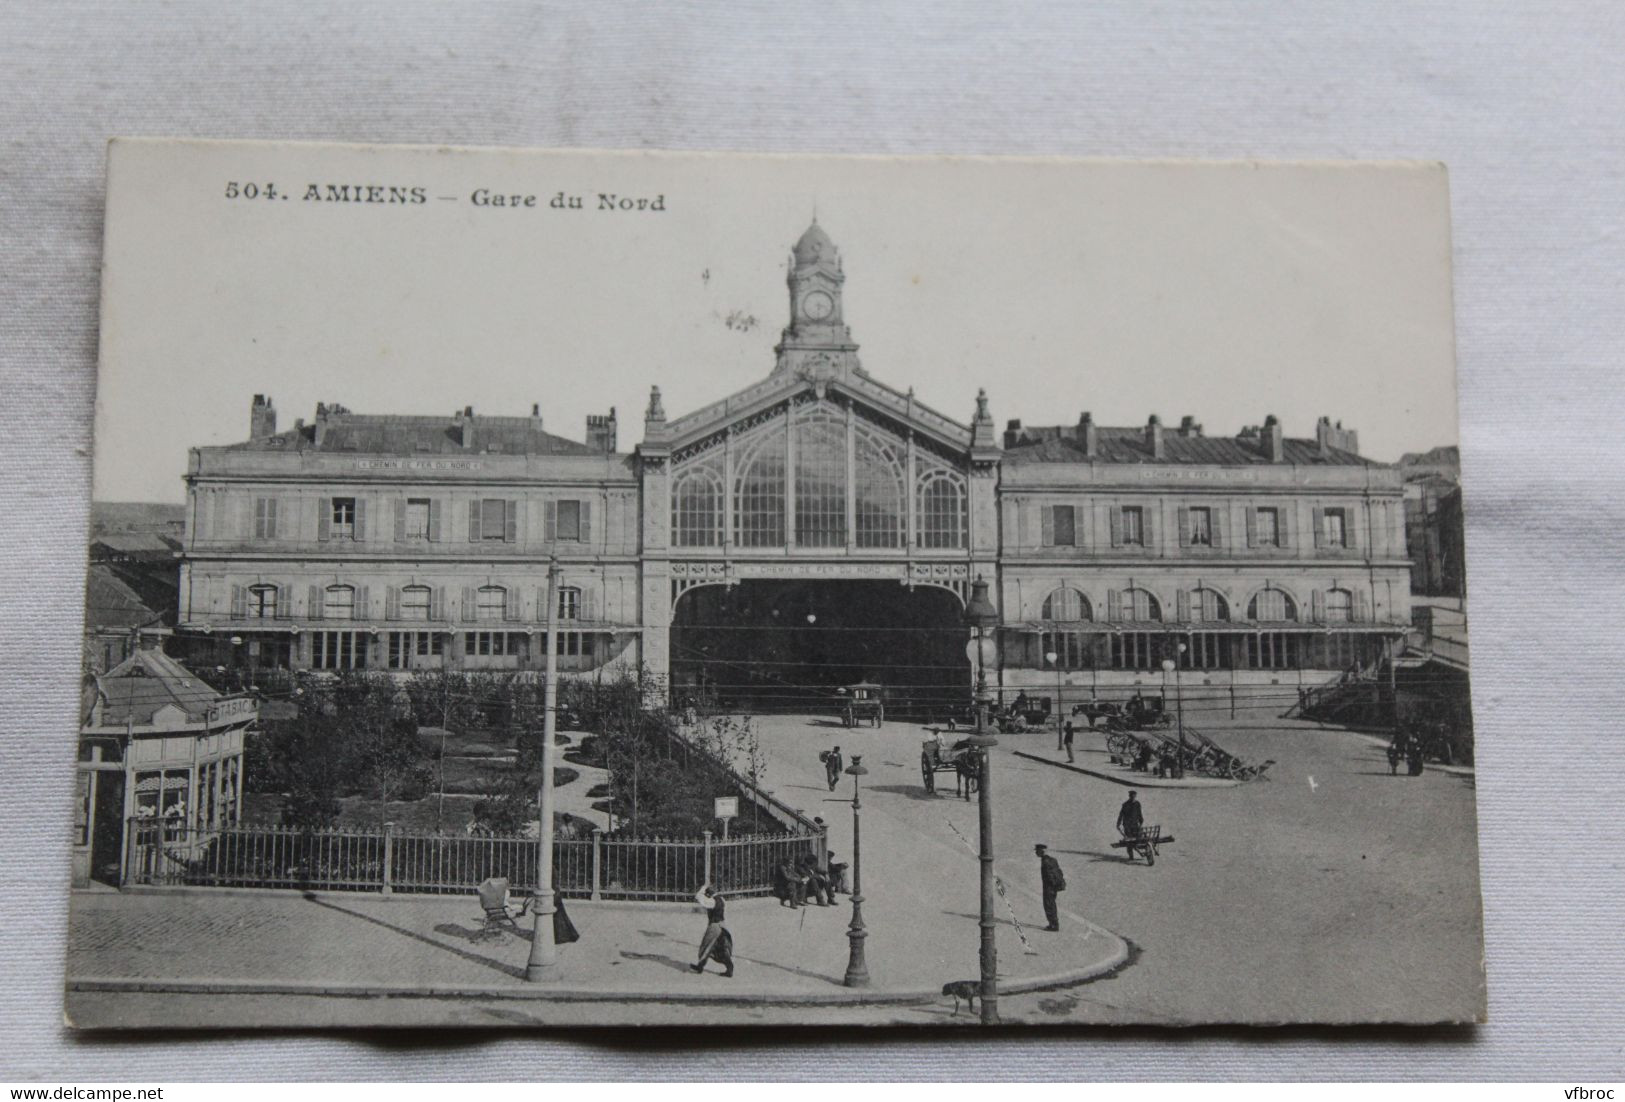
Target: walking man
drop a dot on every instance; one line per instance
(1053, 882)
(1130, 818)
(717, 944)
(832, 767)
(1068, 733)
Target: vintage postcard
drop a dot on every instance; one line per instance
(571, 588)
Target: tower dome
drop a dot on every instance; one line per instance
(814, 246)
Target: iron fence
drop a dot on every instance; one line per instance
(599, 867)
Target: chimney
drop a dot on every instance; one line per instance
(1012, 432)
(320, 432)
(1273, 447)
(463, 421)
(536, 416)
(601, 431)
(1088, 438)
(1189, 427)
(261, 418)
(1153, 436)
(1323, 435)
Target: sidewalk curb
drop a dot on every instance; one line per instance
(1119, 957)
(1131, 782)
(1453, 770)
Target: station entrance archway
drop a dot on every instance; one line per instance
(787, 646)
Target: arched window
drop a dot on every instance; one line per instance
(416, 601)
(338, 603)
(1208, 605)
(820, 451)
(1137, 605)
(1339, 606)
(878, 494)
(1272, 606)
(262, 602)
(1066, 603)
(696, 508)
(491, 603)
(942, 510)
(759, 495)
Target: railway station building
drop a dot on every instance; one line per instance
(818, 528)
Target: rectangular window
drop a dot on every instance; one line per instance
(405, 647)
(342, 525)
(338, 603)
(1071, 650)
(569, 520)
(1336, 527)
(490, 644)
(569, 604)
(1136, 650)
(1206, 651)
(493, 519)
(265, 518)
(1272, 650)
(491, 603)
(1133, 526)
(338, 650)
(1268, 527)
(417, 518)
(1063, 526)
(262, 602)
(1201, 524)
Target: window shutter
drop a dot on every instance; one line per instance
(1184, 527)
(239, 602)
(259, 517)
(1114, 604)
(1317, 606)
(589, 604)
(437, 603)
(324, 518)
(434, 519)
(543, 613)
(400, 520)
(284, 602)
(272, 530)
(360, 519)
(1217, 514)
(1151, 513)
(1320, 527)
(1286, 520)
(1182, 605)
(510, 600)
(1351, 529)
(468, 603)
(474, 521)
(586, 521)
(510, 522)
(363, 603)
(313, 603)
(1362, 606)
(1046, 520)
(550, 521)
(1117, 526)
(1252, 527)
(392, 603)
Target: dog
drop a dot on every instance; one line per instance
(969, 990)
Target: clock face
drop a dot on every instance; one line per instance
(818, 306)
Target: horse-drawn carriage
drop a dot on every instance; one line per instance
(862, 702)
(1160, 751)
(958, 756)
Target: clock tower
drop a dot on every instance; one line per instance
(817, 337)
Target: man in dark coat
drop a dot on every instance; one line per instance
(1053, 882)
(1068, 733)
(1130, 819)
(832, 767)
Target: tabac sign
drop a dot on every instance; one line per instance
(234, 710)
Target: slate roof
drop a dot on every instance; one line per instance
(1060, 444)
(146, 681)
(404, 435)
(134, 545)
(118, 600)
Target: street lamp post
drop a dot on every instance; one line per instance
(544, 952)
(1054, 659)
(982, 618)
(1169, 665)
(857, 968)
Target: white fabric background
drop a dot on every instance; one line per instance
(1522, 101)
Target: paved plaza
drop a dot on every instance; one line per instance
(1333, 891)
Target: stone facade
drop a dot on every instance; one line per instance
(411, 542)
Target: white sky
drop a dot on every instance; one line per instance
(1226, 291)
